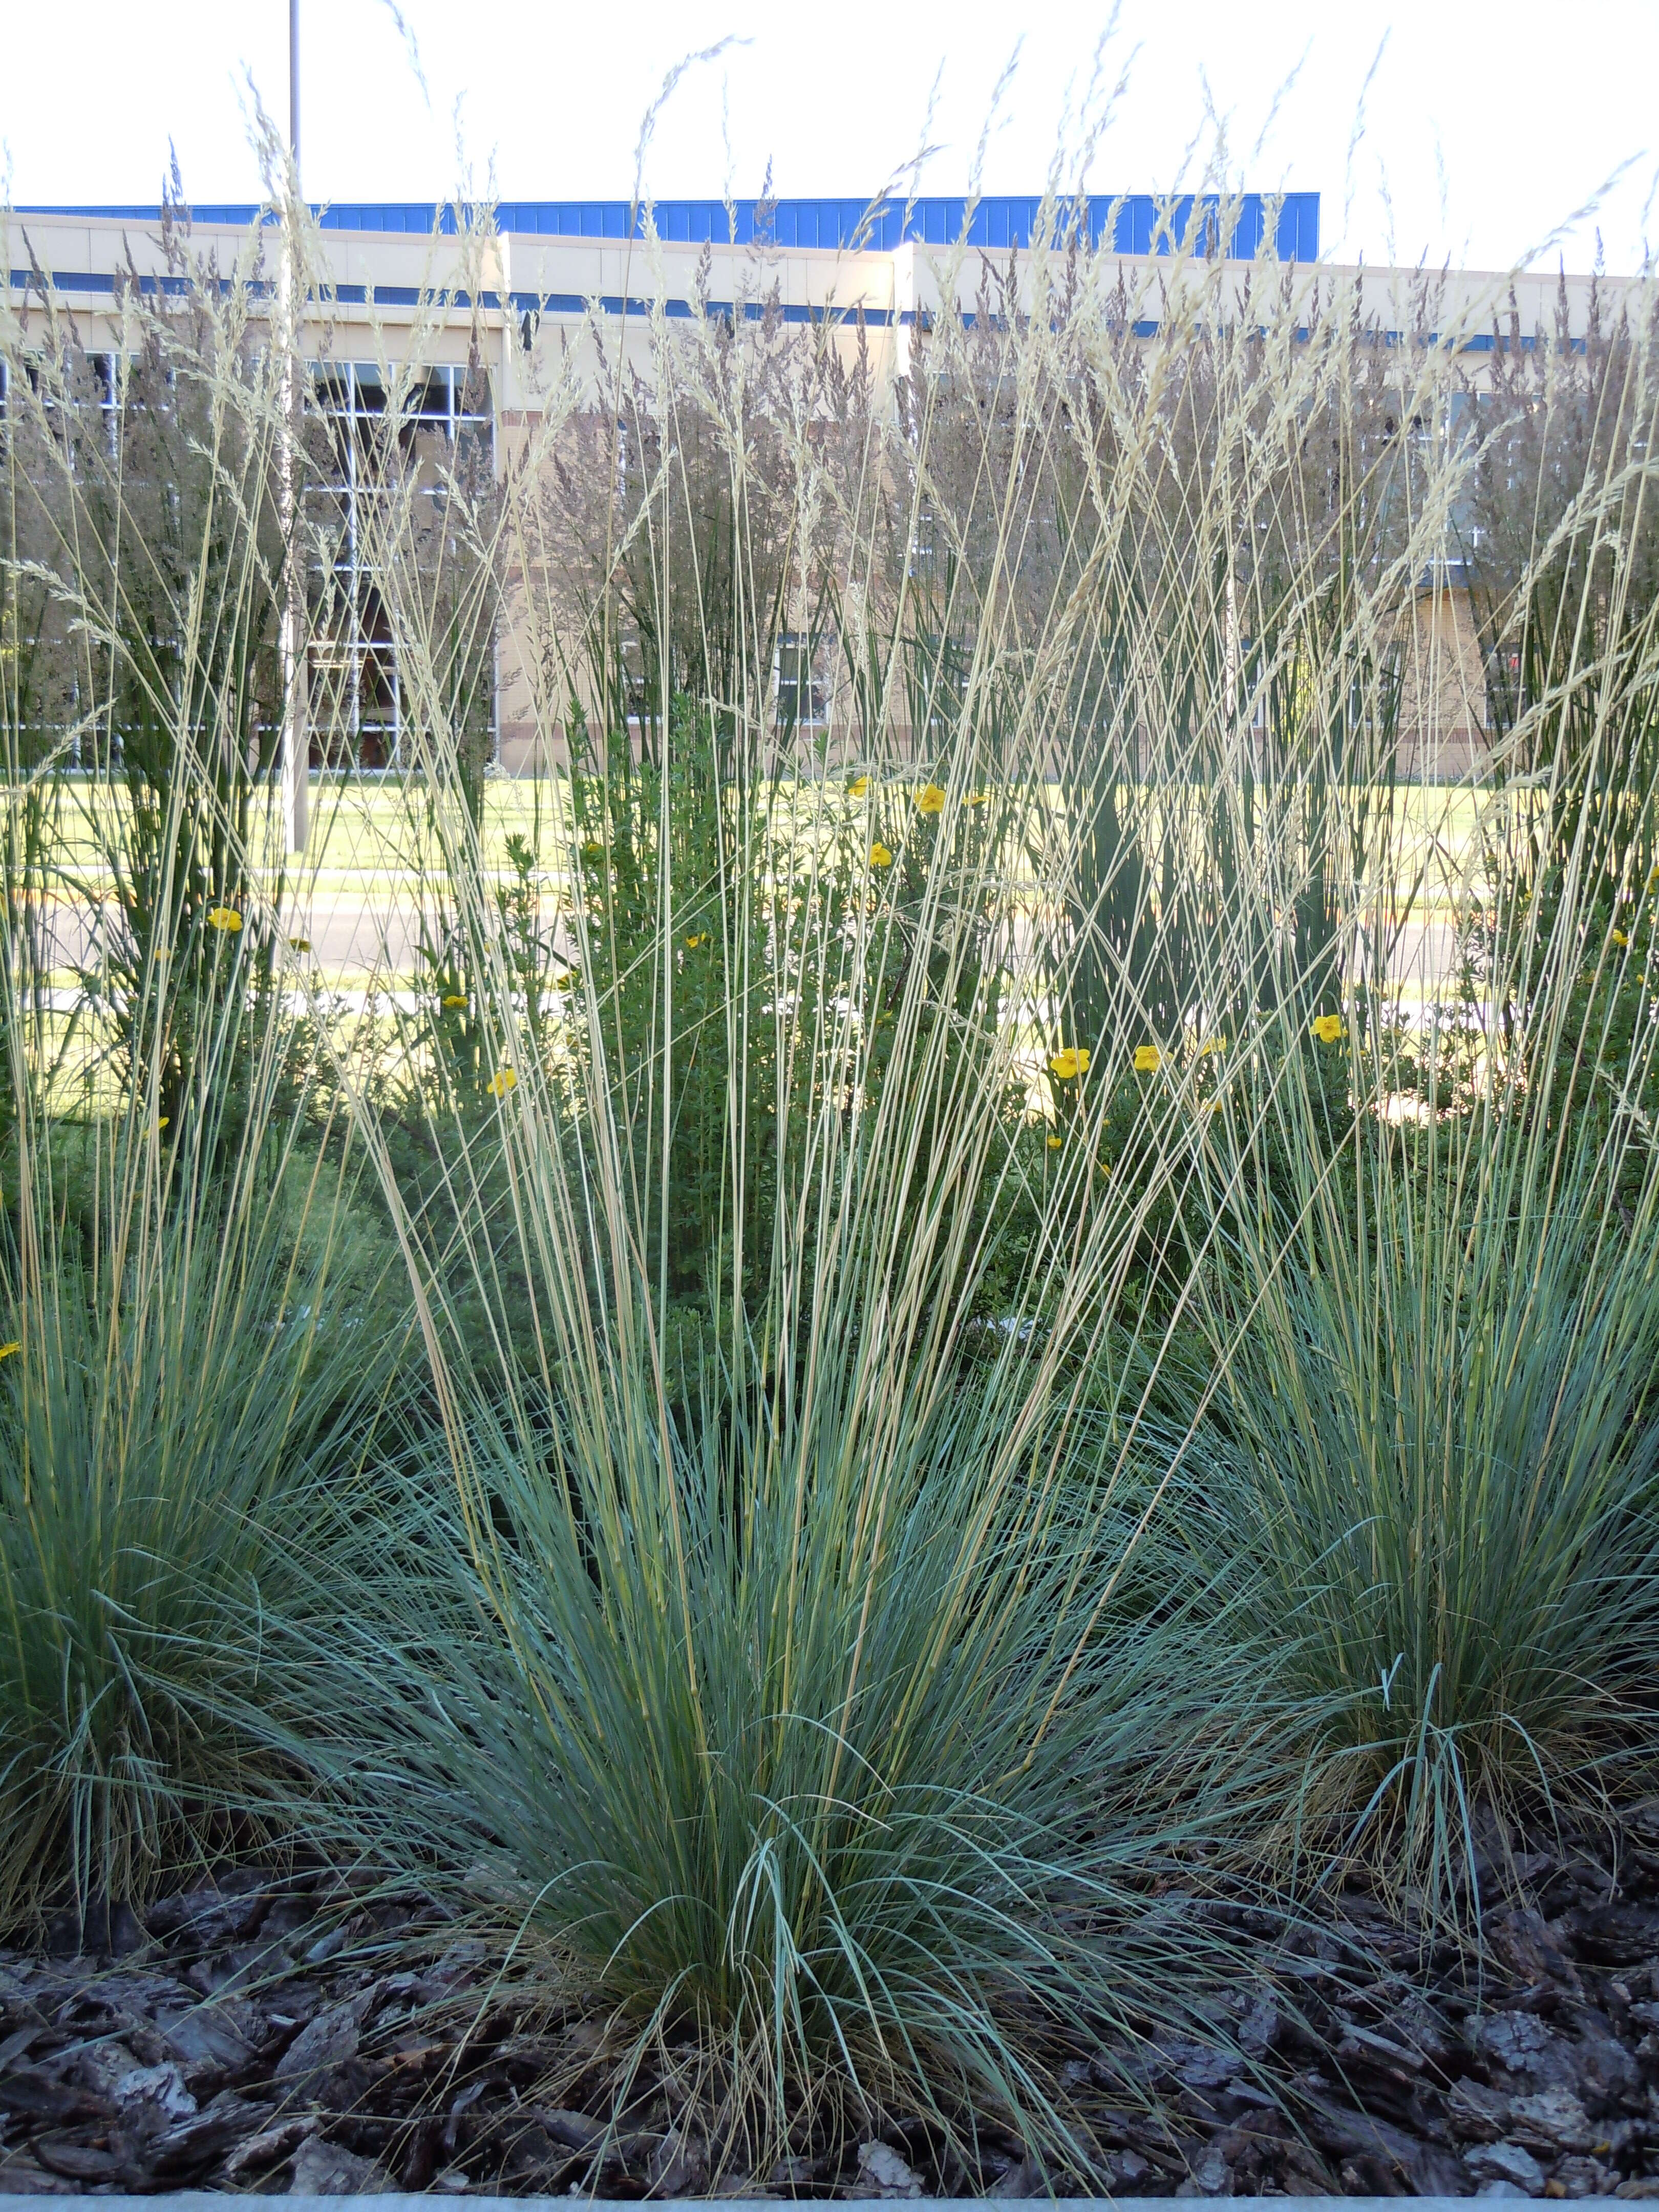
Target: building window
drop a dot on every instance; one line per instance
(358, 465)
(803, 694)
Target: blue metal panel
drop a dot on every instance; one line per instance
(1142, 223)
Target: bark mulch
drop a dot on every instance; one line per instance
(302, 2033)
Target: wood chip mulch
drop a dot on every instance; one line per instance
(307, 2034)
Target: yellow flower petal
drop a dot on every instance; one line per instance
(692, 943)
(161, 1120)
(224, 917)
(1148, 1059)
(501, 1082)
(7, 1350)
(456, 998)
(1328, 1028)
(1620, 939)
(880, 857)
(1055, 1143)
(859, 786)
(1071, 1062)
(930, 800)
(979, 799)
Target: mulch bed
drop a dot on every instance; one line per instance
(300, 2033)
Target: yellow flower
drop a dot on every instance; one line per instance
(1213, 1044)
(1620, 939)
(501, 1082)
(7, 1350)
(1055, 1143)
(979, 799)
(161, 1121)
(1653, 881)
(224, 917)
(859, 786)
(593, 848)
(1071, 1063)
(456, 998)
(300, 944)
(560, 979)
(880, 857)
(1211, 1106)
(1328, 1028)
(930, 800)
(1148, 1059)
(692, 943)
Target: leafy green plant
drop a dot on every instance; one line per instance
(141, 543)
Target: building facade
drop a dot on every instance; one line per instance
(489, 300)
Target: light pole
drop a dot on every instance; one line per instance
(293, 84)
(296, 717)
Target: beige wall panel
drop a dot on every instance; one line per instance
(1442, 695)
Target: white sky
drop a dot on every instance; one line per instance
(1486, 126)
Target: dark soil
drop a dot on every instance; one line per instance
(304, 2034)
